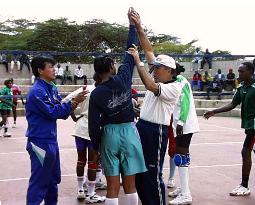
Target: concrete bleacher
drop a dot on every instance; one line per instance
(23, 79)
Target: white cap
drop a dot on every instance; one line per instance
(164, 60)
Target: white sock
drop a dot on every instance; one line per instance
(98, 175)
(184, 180)
(91, 187)
(172, 168)
(132, 199)
(80, 182)
(111, 201)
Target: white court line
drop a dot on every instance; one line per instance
(215, 143)
(10, 153)
(192, 144)
(238, 130)
(74, 175)
(211, 166)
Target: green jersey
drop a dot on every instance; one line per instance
(245, 95)
(7, 103)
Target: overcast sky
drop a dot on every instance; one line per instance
(217, 24)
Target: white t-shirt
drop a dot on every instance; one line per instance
(158, 109)
(81, 126)
(60, 71)
(191, 124)
(78, 72)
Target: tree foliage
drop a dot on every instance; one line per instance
(91, 36)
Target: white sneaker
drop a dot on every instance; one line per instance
(175, 193)
(90, 199)
(240, 191)
(170, 183)
(181, 200)
(6, 134)
(81, 195)
(100, 185)
(14, 125)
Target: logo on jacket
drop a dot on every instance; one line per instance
(118, 100)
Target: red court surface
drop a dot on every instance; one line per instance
(215, 167)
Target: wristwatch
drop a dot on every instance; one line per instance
(141, 64)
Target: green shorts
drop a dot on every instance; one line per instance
(121, 150)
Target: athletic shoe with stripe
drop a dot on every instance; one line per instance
(170, 183)
(181, 200)
(240, 191)
(91, 199)
(81, 195)
(175, 193)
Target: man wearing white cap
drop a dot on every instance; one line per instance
(158, 105)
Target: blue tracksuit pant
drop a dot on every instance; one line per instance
(45, 173)
(150, 186)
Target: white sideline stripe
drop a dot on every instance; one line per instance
(61, 150)
(26, 178)
(74, 175)
(192, 144)
(210, 166)
(215, 143)
(238, 130)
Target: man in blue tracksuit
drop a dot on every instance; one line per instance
(43, 108)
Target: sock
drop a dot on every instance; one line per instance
(80, 182)
(172, 168)
(184, 180)
(245, 180)
(132, 199)
(111, 201)
(91, 187)
(98, 175)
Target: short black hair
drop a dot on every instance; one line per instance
(179, 68)
(103, 64)
(39, 62)
(249, 66)
(6, 82)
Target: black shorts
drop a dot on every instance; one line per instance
(249, 139)
(183, 140)
(5, 112)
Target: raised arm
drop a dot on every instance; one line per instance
(144, 41)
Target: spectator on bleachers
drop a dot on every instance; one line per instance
(15, 61)
(231, 79)
(219, 76)
(24, 59)
(78, 75)
(206, 79)
(67, 74)
(207, 58)
(197, 60)
(214, 86)
(60, 73)
(3, 61)
(196, 80)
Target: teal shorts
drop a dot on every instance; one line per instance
(121, 150)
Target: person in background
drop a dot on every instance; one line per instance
(15, 61)
(6, 104)
(84, 148)
(60, 74)
(206, 79)
(207, 58)
(214, 86)
(67, 74)
(78, 75)
(24, 59)
(197, 60)
(231, 78)
(196, 80)
(219, 76)
(3, 61)
(15, 91)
